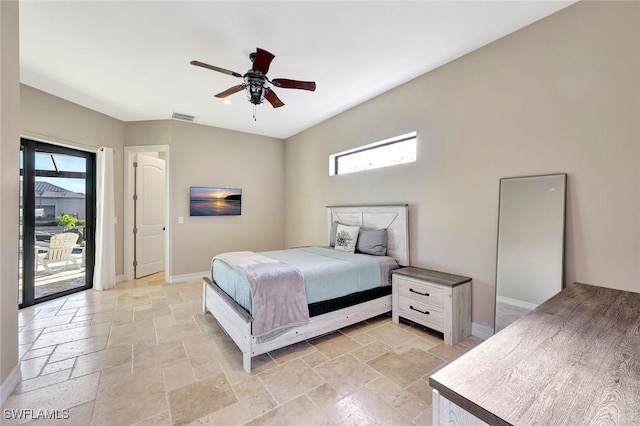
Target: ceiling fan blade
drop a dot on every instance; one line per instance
(212, 67)
(294, 84)
(262, 61)
(230, 91)
(273, 99)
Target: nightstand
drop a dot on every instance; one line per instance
(436, 300)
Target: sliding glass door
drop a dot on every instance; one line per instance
(57, 221)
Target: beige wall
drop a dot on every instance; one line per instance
(208, 156)
(9, 183)
(561, 95)
(155, 132)
(53, 119)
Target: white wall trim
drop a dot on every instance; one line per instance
(516, 302)
(196, 276)
(129, 152)
(10, 383)
(120, 278)
(481, 331)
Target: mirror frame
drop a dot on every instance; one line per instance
(562, 235)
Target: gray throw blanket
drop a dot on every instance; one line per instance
(278, 296)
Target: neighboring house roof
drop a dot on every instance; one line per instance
(46, 189)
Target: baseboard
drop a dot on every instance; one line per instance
(516, 302)
(10, 383)
(197, 276)
(119, 278)
(481, 331)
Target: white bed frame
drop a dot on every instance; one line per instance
(237, 322)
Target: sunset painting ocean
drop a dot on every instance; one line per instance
(210, 201)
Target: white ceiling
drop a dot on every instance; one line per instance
(130, 60)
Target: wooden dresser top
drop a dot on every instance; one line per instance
(573, 360)
(432, 276)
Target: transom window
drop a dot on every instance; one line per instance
(389, 152)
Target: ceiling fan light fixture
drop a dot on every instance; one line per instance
(255, 89)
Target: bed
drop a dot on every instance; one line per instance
(232, 307)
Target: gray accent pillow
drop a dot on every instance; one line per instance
(372, 241)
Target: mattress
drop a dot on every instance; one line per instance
(328, 274)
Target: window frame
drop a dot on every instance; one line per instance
(333, 158)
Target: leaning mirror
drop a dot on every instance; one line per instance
(530, 259)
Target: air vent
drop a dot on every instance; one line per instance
(183, 117)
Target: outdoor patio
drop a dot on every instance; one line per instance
(63, 276)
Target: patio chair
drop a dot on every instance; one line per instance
(60, 248)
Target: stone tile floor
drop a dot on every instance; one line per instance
(144, 354)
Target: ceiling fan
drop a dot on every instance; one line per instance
(256, 83)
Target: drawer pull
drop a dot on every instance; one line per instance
(418, 310)
(417, 292)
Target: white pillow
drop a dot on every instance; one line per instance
(346, 238)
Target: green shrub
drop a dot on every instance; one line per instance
(66, 221)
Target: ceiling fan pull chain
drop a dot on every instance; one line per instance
(254, 113)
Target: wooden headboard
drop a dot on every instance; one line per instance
(394, 218)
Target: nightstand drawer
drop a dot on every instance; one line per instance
(421, 313)
(421, 291)
(433, 299)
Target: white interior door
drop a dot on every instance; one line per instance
(150, 221)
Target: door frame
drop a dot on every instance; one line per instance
(129, 154)
(28, 227)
